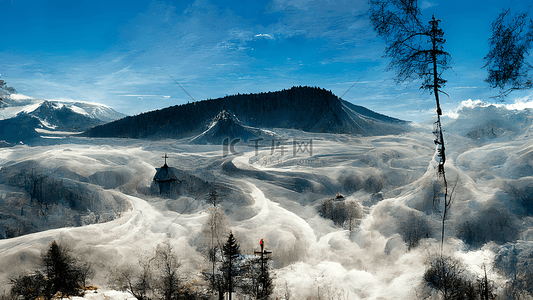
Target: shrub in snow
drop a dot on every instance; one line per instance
(351, 183)
(515, 262)
(450, 278)
(155, 277)
(373, 184)
(491, 223)
(521, 193)
(413, 227)
(342, 213)
(28, 287)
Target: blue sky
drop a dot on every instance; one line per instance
(124, 53)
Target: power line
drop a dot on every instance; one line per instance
(353, 85)
(180, 86)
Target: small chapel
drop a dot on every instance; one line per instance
(164, 178)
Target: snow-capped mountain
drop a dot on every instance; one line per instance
(12, 104)
(95, 110)
(58, 116)
(23, 118)
(227, 125)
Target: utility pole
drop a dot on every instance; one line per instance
(263, 252)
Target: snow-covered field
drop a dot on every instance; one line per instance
(390, 175)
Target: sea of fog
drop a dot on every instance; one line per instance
(280, 189)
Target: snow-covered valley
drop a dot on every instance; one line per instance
(271, 193)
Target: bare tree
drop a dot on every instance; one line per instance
(215, 229)
(413, 228)
(509, 46)
(333, 210)
(417, 52)
(156, 276)
(342, 213)
(354, 213)
(86, 272)
(167, 265)
(516, 264)
(450, 278)
(446, 275)
(137, 283)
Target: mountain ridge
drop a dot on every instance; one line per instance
(303, 108)
(24, 118)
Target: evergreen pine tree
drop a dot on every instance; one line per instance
(231, 264)
(61, 272)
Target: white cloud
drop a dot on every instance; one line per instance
(264, 35)
(427, 4)
(521, 103)
(19, 97)
(518, 104)
(480, 110)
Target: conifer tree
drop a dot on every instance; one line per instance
(60, 270)
(231, 264)
(59, 273)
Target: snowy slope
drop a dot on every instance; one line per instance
(392, 176)
(96, 111)
(227, 125)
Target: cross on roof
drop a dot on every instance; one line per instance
(165, 157)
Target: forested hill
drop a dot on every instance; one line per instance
(304, 108)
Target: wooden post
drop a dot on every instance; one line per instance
(263, 252)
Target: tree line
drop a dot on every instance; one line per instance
(158, 276)
(298, 108)
(60, 274)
